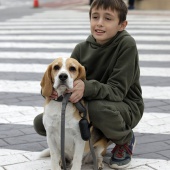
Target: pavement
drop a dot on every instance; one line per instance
(31, 40)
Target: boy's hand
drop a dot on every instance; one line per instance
(77, 91)
(54, 95)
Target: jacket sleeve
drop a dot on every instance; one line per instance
(122, 77)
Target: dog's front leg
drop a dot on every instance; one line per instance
(54, 152)
(78, 154)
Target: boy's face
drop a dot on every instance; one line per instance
(105, 24)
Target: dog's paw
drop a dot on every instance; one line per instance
(68, 163)
(100, 166)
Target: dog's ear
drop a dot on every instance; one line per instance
(82, 73)
(46, 82)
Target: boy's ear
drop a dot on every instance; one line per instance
(123, 25)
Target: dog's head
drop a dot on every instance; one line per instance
(60, 75)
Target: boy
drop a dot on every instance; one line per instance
(112, 88)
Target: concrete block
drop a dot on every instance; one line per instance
(7, 151)
(153, 147)
(152, 138)
(12, 159)
(26, 147)
(10, 133)
(165, 153)
(2, 143)
(28, 130)
(143, 168)
(25, 139)
(136, 162)
(160, 165)
(156, 156)
(33, 165)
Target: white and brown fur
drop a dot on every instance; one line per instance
(60, 76)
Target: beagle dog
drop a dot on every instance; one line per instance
(59, 76)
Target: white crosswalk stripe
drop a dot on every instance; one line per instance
(40, 68)
(70, 26)
(71, 45)
(45, 55)
(14, 30)
(38, 45)
(12, 3)
(75, 37)
(34, 87)
(76, 21)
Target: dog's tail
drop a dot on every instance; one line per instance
(45, 153)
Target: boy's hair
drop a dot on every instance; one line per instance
(117, 5)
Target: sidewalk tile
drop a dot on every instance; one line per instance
(35, 165)
(12, 159)
(161, 165)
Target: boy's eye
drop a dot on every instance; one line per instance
(94, 17)
(107, 18)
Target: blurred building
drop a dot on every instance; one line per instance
(152, 4)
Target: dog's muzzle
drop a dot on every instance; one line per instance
(63, 80)
(63, 77)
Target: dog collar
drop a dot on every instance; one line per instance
(59, 99)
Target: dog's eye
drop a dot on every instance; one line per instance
(57, 67)
(72, 68)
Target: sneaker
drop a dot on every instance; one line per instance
(122, 155)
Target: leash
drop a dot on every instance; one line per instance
(64, 104)
(84, 129)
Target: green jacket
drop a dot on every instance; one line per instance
(112, 70)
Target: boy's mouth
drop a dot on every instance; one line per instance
(99, 31)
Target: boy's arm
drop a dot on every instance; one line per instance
(122, 77)
(119, 82)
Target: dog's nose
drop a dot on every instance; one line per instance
(63, 77)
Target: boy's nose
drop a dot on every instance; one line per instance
(100, 23)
